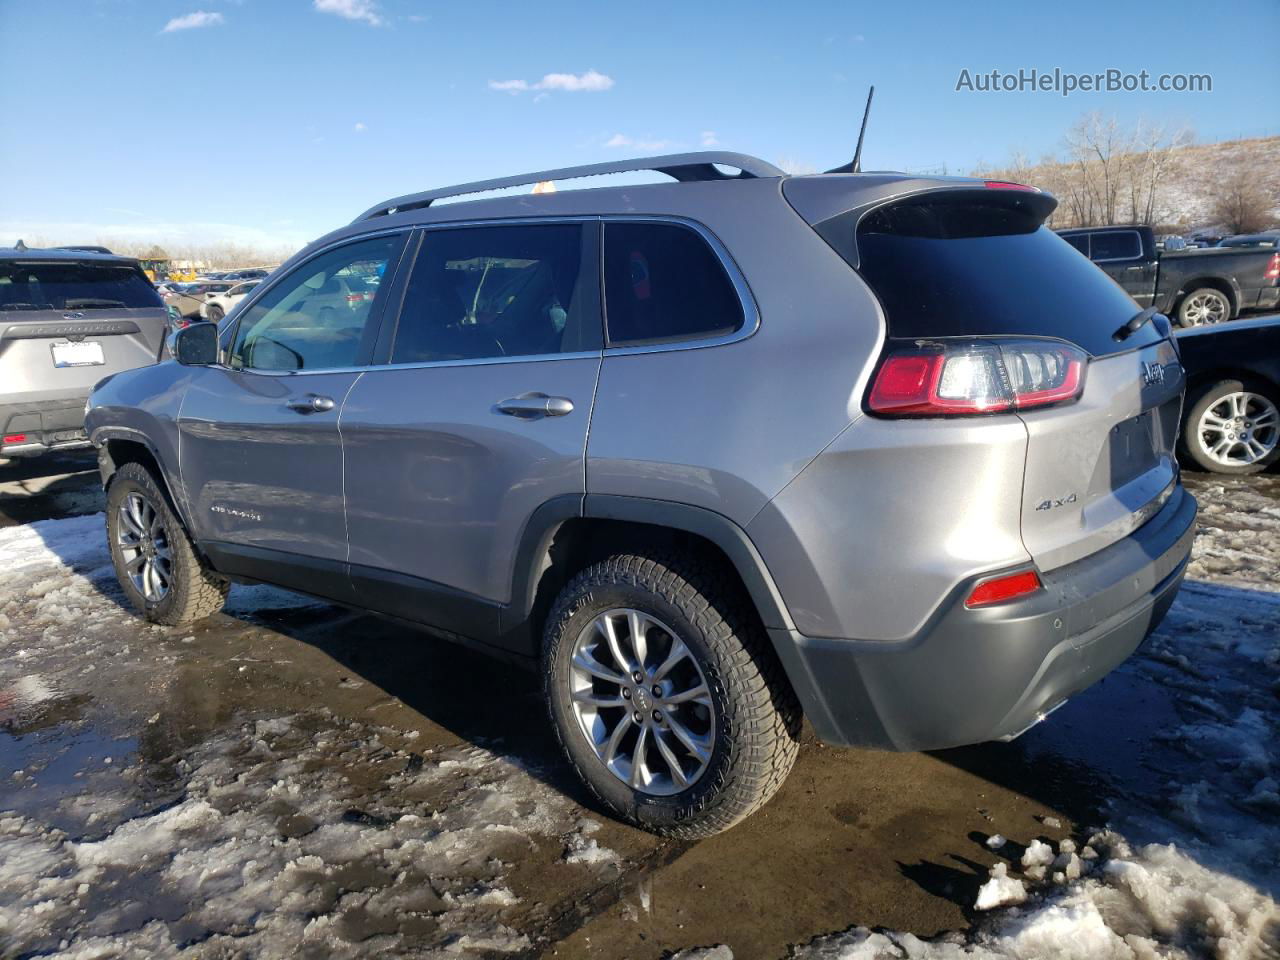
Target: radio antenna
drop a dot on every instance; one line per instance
(855, 165)
(862, 132)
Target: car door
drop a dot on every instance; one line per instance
(1119, 253)
(261, 454)
(478, 417)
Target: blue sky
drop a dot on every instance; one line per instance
(272, 121)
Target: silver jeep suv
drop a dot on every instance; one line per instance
(713, 455)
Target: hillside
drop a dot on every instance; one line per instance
(1186, 192)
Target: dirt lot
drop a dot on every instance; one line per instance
(291, 779)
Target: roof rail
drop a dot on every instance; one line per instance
(679, 166)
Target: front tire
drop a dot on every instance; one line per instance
(666, 696)
(155, 563)
(1233, 427)
(1203, 306)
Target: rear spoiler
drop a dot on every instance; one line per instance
(834, 204)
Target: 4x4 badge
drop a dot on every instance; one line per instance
(1152, 373)
(1056, 502)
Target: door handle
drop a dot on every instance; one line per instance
(312, 403)
(534, 406)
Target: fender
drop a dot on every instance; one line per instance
(107, 467)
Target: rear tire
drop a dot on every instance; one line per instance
(1233, 427)
(734, 742)
(157, 567)
(1202, 306)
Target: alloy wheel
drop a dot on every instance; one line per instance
(1240, 429)
(1205, 308)
(642, 702)
(144, 547)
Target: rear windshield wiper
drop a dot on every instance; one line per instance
(1135, 323)
(76, 303)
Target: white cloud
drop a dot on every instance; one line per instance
(360, 127)
(590, 82)
(193, 20)
(365, 10)
(622, 140)
(709, 139)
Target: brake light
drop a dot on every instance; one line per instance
(1273, 268)
(1007, 185)
(1003, 589)
(355, 298)
(986, 376)
(15, 438)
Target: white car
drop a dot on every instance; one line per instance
(218, 305)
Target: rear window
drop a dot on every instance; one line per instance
(73, 286)
(957, 267)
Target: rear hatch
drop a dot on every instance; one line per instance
(65, 323)
(970, 264)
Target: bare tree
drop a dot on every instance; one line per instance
(1242, 203)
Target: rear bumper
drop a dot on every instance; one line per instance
(45, 425)
(988, 674)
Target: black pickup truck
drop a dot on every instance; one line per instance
(1192, 286)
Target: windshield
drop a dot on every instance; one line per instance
(73, 286)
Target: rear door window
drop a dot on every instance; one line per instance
(479, 293)
(1116, 245)
(663, 283)
(954, 266)
(74, 286)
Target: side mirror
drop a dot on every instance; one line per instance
(196, 345)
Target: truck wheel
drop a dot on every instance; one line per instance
(1234, 427)
(666, 696)
(1205, 305)
(158, 569)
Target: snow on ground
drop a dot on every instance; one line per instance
(266, 841)
(294, 835)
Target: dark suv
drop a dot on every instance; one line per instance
(878, 450)
(68, 317)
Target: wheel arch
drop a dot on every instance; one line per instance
(1203, 380)
(1224, 285)
(569, 533)
(118, 446)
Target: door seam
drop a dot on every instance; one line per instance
(342, 449)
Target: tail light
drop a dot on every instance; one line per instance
(355, 298)
(1273, 268)
(1003, 589)
(1008, 185)
(983, 376)
(15, 438)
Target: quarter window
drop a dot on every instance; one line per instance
(663, 283)
(321, 316)
(486, 292)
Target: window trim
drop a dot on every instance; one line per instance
(1095, 233)
(750, 312)
(227, 336)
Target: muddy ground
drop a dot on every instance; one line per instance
(290, 778)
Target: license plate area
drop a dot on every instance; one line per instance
(83, 353)
(1135, 448)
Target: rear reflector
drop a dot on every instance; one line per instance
(948, 378)
(15, 438)
(1002, 589)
